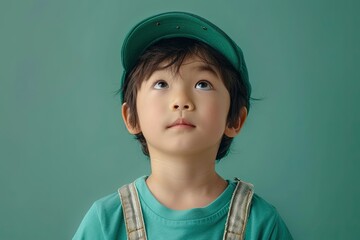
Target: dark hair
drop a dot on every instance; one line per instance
(174, 51)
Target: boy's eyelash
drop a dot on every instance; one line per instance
(159, 81)
(205, 81)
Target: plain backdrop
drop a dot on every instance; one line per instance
(63, 144)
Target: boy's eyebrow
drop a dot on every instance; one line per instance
(207, 68)
(203, 67)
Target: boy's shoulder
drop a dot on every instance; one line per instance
(265, 220)
(259, 204)
(108, 205)
(108, 201)
(103, 217)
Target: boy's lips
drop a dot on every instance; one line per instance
(181, 122)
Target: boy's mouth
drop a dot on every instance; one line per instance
(181, 122)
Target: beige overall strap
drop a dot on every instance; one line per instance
(133, 216)
(239, 211)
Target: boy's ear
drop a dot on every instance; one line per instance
(235, 129)
(126, 114)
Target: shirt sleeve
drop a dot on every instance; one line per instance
(90, 227)
(265, 222)
(279, 230)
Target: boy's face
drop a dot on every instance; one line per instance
(182, 113)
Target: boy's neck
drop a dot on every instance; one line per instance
(184, 184)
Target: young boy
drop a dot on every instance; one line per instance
(185, 97)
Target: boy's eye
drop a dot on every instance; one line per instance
(205, 85)
(161, 84)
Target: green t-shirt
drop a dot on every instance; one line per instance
(105, 219)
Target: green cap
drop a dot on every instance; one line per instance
(181, 24)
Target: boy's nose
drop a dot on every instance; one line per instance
(186, 106)
(181, 100)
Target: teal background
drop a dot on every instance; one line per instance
(64, 145)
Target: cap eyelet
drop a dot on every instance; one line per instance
(204, 28)
(177, 27)
(158, 23)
